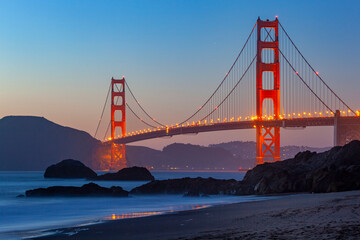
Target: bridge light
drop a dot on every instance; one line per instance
(254, 126)
(297, 72)
(317, 73)
(349, 111)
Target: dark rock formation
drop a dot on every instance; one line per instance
(189, 187)
(127, 174)
(87, 190)
(69, 169)
(335, 170)
(330, 171)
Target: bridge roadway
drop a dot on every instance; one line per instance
(191, 129)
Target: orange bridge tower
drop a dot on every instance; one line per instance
(267, 138)
(118, 120)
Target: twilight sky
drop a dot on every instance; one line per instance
(57, 57)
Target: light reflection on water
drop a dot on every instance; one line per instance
(152, 213)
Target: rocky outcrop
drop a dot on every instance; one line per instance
(87, 190)
(335, 170)
(127, 174)
(330, 171)
(69, 168)
(189, 187)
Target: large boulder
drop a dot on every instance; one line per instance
(69, 168)
(189, 187)
(128, 174)
(330, 171)
(87, 190)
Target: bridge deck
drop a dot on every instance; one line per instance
(285, 123)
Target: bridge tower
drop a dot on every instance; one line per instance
(118, 160)
(267, 138)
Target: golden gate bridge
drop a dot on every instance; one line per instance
(270, 85)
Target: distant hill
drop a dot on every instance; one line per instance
(34, 143)
(188, 156)
(247, 151)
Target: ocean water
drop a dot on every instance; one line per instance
(26, 217)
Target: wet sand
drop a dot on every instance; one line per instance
(301, 216)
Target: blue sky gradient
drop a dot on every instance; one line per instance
(57, 57)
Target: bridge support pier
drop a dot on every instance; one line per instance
(118, 156)
(345, 129)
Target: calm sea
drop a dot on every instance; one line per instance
(26, 217)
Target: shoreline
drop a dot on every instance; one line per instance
(297, 216)
(48, 231)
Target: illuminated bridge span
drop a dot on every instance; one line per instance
(269, 86)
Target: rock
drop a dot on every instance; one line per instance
(69, 169)
(87, 190)
(330, 171)
(189, 187)
(127, 174)
(20, 196)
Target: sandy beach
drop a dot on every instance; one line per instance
(300, 216)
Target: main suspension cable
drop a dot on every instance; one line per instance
(103, 110)
(314, 70)
(232, 66)
(217, 107)
(297, 73)
(138, 103)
